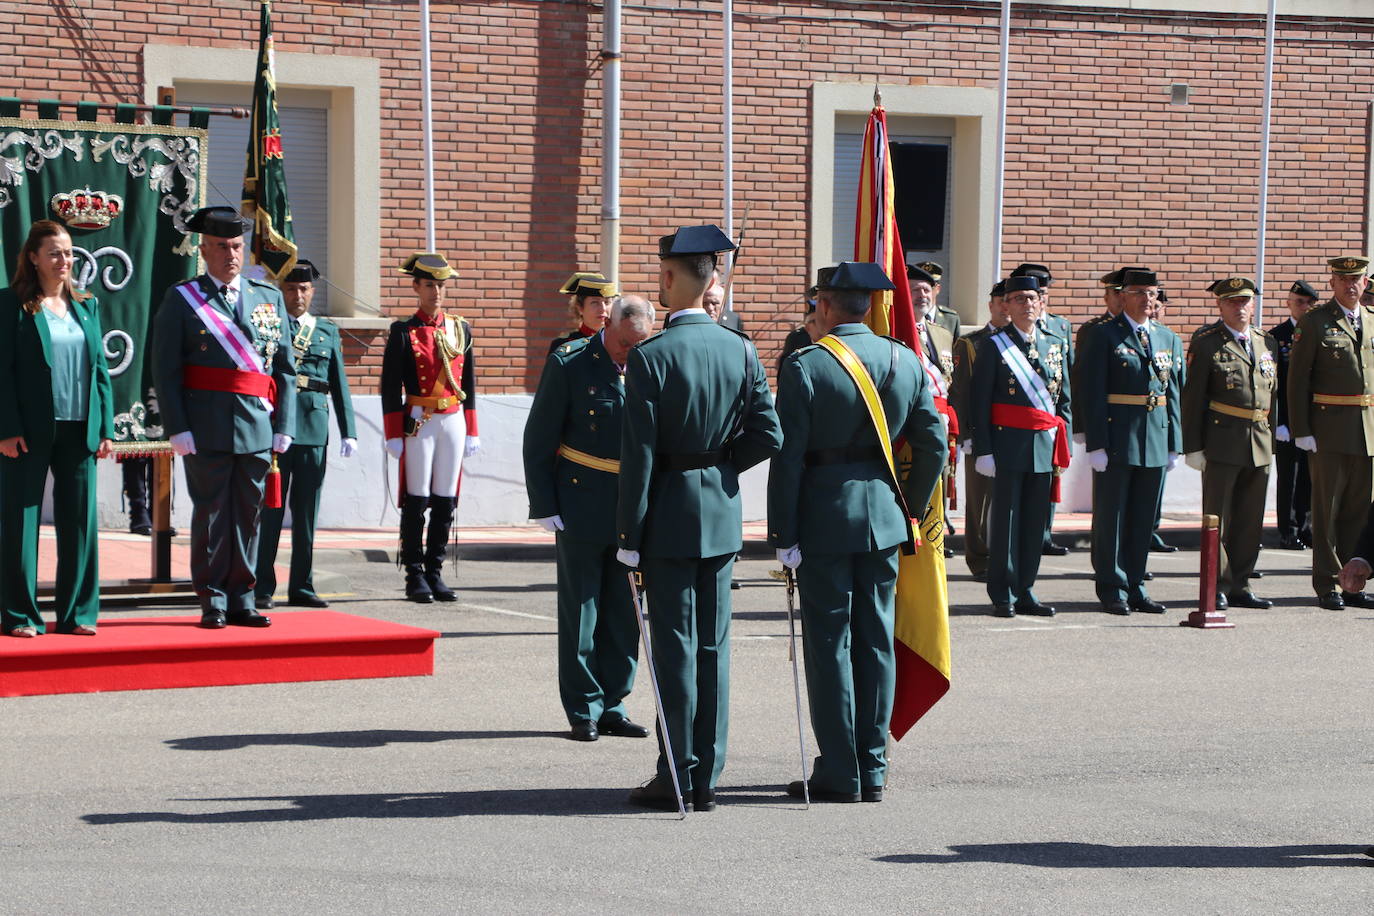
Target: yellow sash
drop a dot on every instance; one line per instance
(869, 392)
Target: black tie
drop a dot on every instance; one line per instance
(1143, 333)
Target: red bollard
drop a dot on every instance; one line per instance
(1207, 617)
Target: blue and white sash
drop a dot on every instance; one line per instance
(229, 335)
(1020, 367)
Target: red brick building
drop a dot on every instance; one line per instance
(1133, 136)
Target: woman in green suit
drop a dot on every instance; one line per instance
(55, 413)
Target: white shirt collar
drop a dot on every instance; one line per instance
(1132, 322)
(692, 311)
(1352, 315)
(220, 284)
(1234, 333)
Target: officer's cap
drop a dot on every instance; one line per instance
(428, 265)
(1138, 276)
(1112, 280)
(1349, 265)
(853, 276)
(1038, 271)
(1015, 284)
(571, 283)
(303, 272)
(998, 289)
(691, 241)
(1233, 288)
(935, 270)
(918, 273)
(219, 222)
(1303, 288)
(593, 286)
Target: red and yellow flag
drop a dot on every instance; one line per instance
(922, 613)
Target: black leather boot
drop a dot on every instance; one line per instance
(413, 548)
(440, 523)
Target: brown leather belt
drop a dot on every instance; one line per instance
(1148, 401)
(443, 403)
(1344, 400)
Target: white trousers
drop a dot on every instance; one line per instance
(434, 456)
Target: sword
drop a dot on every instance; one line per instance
(635, 580)
(790, 577)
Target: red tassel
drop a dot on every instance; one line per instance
(272, 497)
(1054, 489)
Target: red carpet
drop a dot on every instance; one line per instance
(152, 652)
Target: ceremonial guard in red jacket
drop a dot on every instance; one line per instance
(429, 418)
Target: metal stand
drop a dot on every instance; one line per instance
(1207, 617)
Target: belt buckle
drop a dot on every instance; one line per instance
(300, 382)
(442, 404)
(1151, 401)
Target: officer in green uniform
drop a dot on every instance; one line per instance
(977, 496)
(698, 412)
(1021, 435)
(1227, 398)
(1292, 485)
(572, 463)
(1111, 300)
(940, 314)
(1330, 393)
(1132, 369)
(224, 377)
(320, 376)
(835, 513)
(1062, 328)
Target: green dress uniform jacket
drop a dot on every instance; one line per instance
(838, 504)
(1025, 458)
(1238, 450)
(948, 319)
(320, 378)
(977, 494)
(1079, 340)
(232, 432)
(695, 394)
(67, 449)
(1330, 357)
(579, 404)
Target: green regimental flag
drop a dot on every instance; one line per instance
(123, 191)
(264, 180)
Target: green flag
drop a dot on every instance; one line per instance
(264, 180)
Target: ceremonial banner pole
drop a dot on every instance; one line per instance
(998, 188)
(610, 142)
(1264, 161)
(428, 124)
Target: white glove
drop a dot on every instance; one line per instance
(1098, 459)
(1173, 461)
(552, 523)
(183, 443)
(966, 446)
(347, 448)
(986, 465)
(394, 447)
(281, 442)
(472, 446)
(1196, 460)
(790, 556)
(1282, 434)
(1080, 438)
(1306, 443)
(628, 558)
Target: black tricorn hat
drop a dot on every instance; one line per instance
(1303, 288)
(1016, 284)
(690, 241)
(1138, 276)
(854, 276)
(1039, 271)
(303, 272)
(219, 222)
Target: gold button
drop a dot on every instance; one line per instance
(591, 413)
(574, 480)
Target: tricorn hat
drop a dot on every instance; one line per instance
(219, 222)
(428, 265)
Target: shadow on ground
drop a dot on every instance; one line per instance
(353, 739)
(1101, 855)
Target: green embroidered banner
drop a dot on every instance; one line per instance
(124, 192)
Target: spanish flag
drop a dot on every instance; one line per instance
(922, 613)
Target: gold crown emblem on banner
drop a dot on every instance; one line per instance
(87, 209)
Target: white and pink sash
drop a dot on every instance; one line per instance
(228, 333)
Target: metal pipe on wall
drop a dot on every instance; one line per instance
(610, 142)
(428, 124)
(1265, 131)
(728, 130)
(998, 188)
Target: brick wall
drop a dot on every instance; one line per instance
(1101, 169)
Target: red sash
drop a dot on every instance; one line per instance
(1020, 416)
(235, 381)
(942, 406)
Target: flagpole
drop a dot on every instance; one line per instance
(1001, 142)
(610, 142)
(1264, 161)
(428, 122)
(728, 131)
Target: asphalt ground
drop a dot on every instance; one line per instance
(1084, 764)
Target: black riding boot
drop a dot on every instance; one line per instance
(413, 548)
(440, 522)
(136, 492)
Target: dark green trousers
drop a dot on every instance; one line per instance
(851, 668)
(1341, 486)
(226, 502)
(302, 477)
(1236, 494)
(977, 499)
(1124, 500)
(1016, 534)
(22, 481)
(598, 639)
(689, 613)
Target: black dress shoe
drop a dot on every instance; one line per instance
(703, 799)
(1002, 610)
(1357, 599)
(584, 730)
(1257, 575)
(1331, 601)
(621, 727)
(1291, 542)
(305, 601)
(213, 620)
(1248, 598)
(796, 790)
(1221, 604)
(658, 794)
(871, 794)
(949, 553)
(1051, 549)
(980, 577)
(1147, 606)
(1161, 547)
(247, 619)
(145, 530)
(1035, 609)
(264, 603)
(1149, 576)
(1116, 606)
